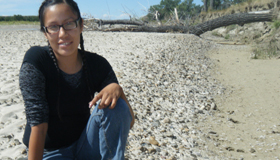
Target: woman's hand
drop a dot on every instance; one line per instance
(108, 95)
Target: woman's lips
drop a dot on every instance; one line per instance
(65, 44)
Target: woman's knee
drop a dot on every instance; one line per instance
(119, 112)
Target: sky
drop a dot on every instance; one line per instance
(102, 9)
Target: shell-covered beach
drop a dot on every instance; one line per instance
(167, 77)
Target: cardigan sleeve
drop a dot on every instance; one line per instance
(32, 86)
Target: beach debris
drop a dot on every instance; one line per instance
(275, 132)
(252, 150)
(240, 150)
(166, 120)
(212, 132)
(153, 141)
(23, 151)
(229, 148)
(152, 150)
(213, 106)
(232, 120)
(143, 149)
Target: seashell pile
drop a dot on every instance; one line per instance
(167, 80)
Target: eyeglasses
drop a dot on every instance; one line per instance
(66, 26)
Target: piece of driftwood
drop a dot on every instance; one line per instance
(112, 22)
(238, 18)
(176, 15)
(156, 16)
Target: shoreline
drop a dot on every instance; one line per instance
(19, 27)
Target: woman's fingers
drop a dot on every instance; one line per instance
(109, 96)
(94, 100)
(108, 102)
(113, 104)
(103, 103)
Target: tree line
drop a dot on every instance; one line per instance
(19, 18)
(220, 4)
(187, 8)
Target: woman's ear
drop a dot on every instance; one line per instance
(46, 35)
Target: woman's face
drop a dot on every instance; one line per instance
(64, 43)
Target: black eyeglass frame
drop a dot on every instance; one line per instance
(76, 22)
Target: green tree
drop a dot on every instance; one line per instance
(18, 18)
(205, 5)
(153, 10)
(169, 5)
(188, 8)
(211, 6)
(223, 4)
(217, 4)
(165, 8)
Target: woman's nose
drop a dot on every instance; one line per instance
(61, 32)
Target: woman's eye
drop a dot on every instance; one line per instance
(53, 27)
(69, 24)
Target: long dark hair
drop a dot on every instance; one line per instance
(74, 7)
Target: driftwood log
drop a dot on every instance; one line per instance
(111, 22)
(238, 18)
(104, 22)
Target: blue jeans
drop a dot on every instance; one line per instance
(103, 138)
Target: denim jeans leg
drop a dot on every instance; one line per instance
(106, 133)
(60, 154)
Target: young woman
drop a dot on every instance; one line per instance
(58, 83)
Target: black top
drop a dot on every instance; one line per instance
(68, 115)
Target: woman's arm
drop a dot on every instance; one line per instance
(32, 85)
(37, 141)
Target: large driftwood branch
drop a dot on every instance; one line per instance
(111, 22)
(239, 18)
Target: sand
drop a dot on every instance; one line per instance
(248, 122)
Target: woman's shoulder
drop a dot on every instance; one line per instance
(93, 55)
(36, 56)
(94, 58)
(36, 52)
(97, 63)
